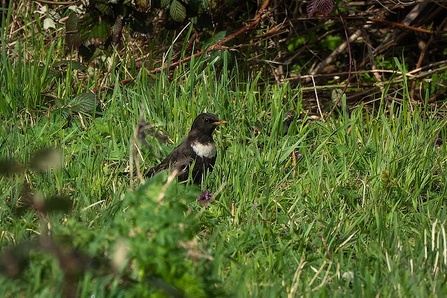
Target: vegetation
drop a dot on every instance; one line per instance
(352, 204)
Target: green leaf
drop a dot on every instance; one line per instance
(178, 11)
(298, 41)
(104, 8)
(100, 30)
(215, 38)
(88, 19)
(72, 38)
(84, 102)
(65, 112)
(331, 42)
(165, 3)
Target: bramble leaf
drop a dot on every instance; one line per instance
(178, 11)
(84, 102)
(165, 3)
(322, 6)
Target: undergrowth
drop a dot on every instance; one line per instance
(353, 205)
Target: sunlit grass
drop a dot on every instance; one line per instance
(359, 212)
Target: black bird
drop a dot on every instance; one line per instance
(197, 148)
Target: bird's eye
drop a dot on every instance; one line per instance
(207, 120)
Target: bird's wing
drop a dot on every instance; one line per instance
(179, 158)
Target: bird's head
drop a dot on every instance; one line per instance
(205, 123)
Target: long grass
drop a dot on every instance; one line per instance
(354, 205)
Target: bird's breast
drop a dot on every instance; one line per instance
(204, 150)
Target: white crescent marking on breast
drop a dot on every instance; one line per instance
(207, 151)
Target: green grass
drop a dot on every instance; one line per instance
(362, 212)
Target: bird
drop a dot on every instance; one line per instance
(198, 148)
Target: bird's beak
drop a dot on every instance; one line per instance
(220, 122)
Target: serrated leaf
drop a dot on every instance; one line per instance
(104, 8)
(72, 22)
(65, 112)
(215, 38)
(72, 38)
(322, 6)
(310, 8)
(325, 6)
(89, 19)
(58, 103)
(92, 26)
(84, 103)
(165, 3)
(177, 11)
(100, 30)
(142, 5)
